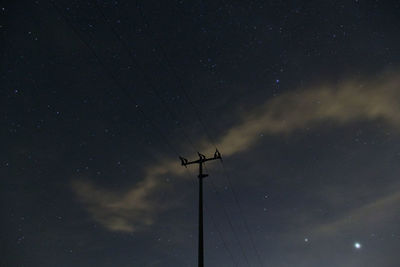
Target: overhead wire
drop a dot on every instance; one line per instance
(229, 220)
(113, 77)
(261, 261)
(117, 83)
(119, 37)
(220, 235)
(222, 238)
(147, 79)
(211, 139)
(176, 76)
(198, 116)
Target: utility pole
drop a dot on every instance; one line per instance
(202, 159)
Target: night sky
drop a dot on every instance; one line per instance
(99, 98)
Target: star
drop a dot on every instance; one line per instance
(357, 245)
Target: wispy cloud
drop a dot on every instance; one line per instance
(127, 211)
(345, 102)
(377, 212)
(342, 103)
(376, 216)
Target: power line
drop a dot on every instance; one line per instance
(91, 49)
(229, 221)
(112, 76)
(205, 129)
(201, 161)
(216, 227)
(176, 76)
(221, 236)
(141, 70)
(241, 214)
(119, 37)
(174, 72)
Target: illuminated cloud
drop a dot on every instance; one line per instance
(342, 103)
(128, 211)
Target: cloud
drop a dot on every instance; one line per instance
(342, 103)
(377, 212)
(331, 243)
(128, 211)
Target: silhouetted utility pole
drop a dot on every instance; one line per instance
(201, 161)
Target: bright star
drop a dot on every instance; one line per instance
(357, 245)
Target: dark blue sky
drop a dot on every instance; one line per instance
(98, 99)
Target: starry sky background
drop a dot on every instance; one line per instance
(300, 97)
